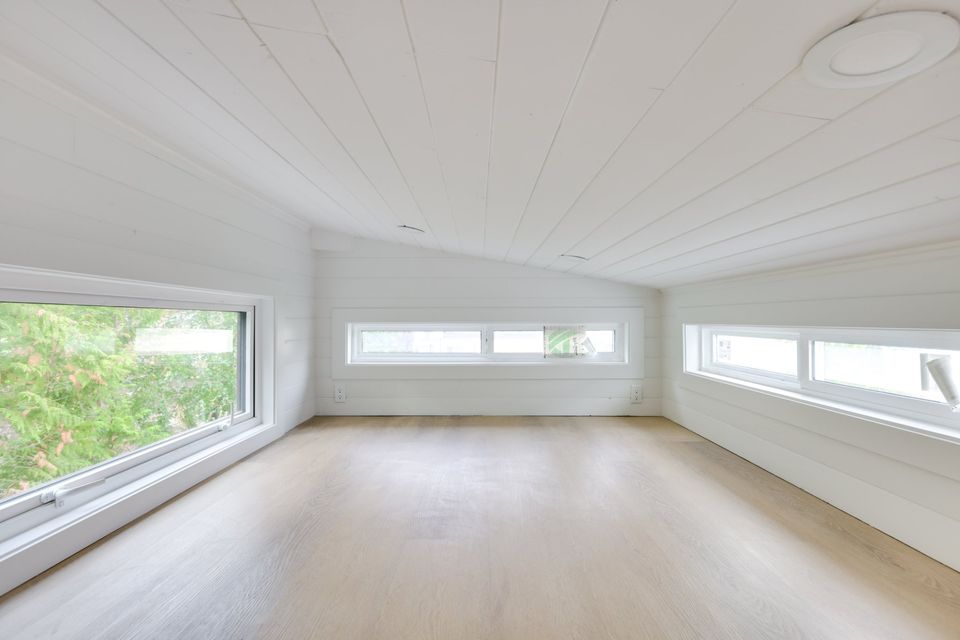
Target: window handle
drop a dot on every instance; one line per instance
(57, 495)
(227, 423)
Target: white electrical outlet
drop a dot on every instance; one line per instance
(636, 393)
(339, 392)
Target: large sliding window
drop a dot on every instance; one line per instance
(419, 343)
(909, 373)
(92, 393)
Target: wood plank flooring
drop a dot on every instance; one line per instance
(488, 528)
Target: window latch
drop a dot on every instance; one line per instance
(227, 423)
(56, 495)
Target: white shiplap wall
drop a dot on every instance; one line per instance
(898, 481)
(80, 192)
(372, 274)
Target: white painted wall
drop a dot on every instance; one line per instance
(80, 192)
(366, 274)
(900, 482)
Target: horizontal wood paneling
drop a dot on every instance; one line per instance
(746, 140)
(374, 275)
(899, 481)
(82, 194)
(908, 165)
(535, 85)
(722, 78)
(668, 142)
(882, 142)
(922, 528)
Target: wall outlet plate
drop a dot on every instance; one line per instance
(636, 393)
(339, 392)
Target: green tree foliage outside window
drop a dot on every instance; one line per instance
(566, 342)
(78, 388)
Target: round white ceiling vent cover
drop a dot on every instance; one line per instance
(881, 49)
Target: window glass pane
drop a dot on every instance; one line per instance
(602, 341)
(897, 370)
(574, 341)
(774, 355)
(82, 384)
(518, 341)
(411, 341)
(563, 342)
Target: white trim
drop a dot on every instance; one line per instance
(28, 279)
(915, 414)
(486, 353)
(31, 509)
(846, 409)
(104, 487)
(457, 405)
(708, 363)
(355, 354)
(29, 554)
(921, 527)
(932, 451)
(631, 367)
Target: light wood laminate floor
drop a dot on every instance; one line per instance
(487, 528)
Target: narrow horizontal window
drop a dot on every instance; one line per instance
(84, 385)
(468, 343)
(909, 373)
(874, 367)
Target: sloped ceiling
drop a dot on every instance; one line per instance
(667, 140)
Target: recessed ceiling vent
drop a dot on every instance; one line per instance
(881, 49)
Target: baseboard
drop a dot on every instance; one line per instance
(29, 554)
(418, 406)
(931, 533)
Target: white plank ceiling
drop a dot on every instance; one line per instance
(669, 141)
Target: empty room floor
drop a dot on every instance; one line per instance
(470, 527)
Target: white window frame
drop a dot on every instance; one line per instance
(487, 355)
(56, 498)
(698, 360)
(752, 374)
(358, 357)
(633, 319)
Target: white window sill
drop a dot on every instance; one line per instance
(920, 427)
(29, 553)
